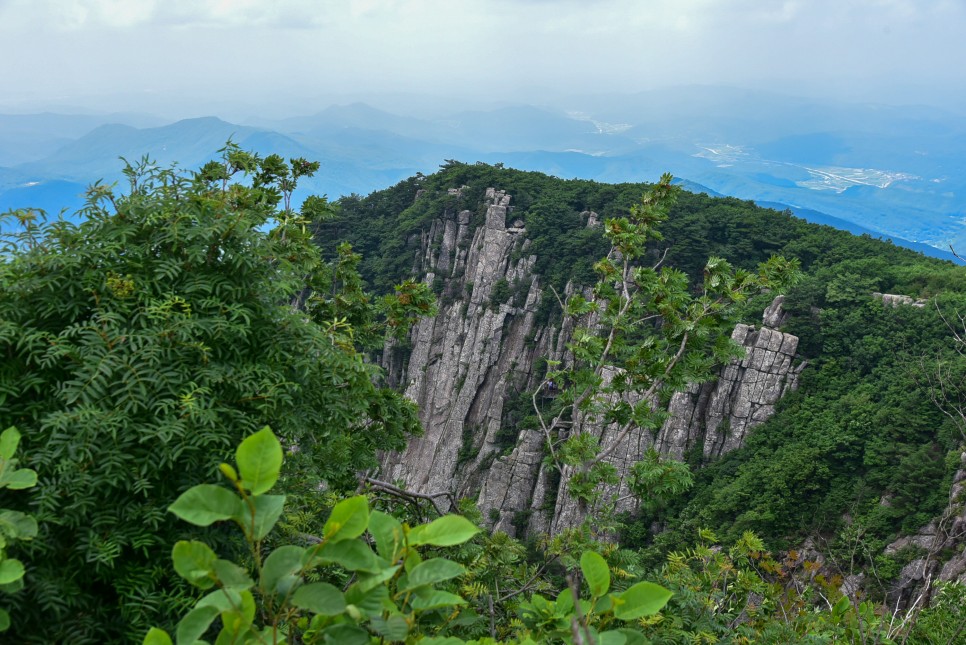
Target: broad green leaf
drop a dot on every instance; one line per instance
(431, 572)
(268, 508)
(156, 636)
(280, 569)
(344, 634)
(596, 573)
(19, 479)
(426, 599)
(195, 623)
(5, 621)
(353, 555)
(9, 439)
(593, 634)
(12, 587)
(367, 581)
(632, 636)
(194, 561)
(232, 576)
(841, 606)
(223, 600)
(452, 640)
(565, 601)
(395, 628)
(236, 610)
(466, 618)
(413, 559)
(236, 620)
(348, 520)
(205, 504)
(371, 602)
(259, 459)
(643, 599)
(10, 570)
(17, 525)
(319, 598)
(604, 604)
(448, 530)
(612, 637)
(248, 606)
(236, 631)
(387, 532)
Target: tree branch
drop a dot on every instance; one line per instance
(408, 494)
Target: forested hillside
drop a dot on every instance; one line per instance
(859, 455)
(146, 349)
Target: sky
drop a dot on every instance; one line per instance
(288, 57)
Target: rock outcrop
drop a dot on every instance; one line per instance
(895, 300)
(939, 547)
(484, 347)
(718, 415)
(466, 359)
(714, 416)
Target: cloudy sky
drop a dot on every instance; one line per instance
(275, 56)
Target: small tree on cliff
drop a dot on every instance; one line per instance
(643, 336)
(141, 345)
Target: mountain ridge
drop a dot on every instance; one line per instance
(898, 172)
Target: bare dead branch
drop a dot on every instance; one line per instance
(411, 495)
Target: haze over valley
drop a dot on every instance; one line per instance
(890, 171)
(850, 113)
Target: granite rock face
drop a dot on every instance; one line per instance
(478, 353)
(719, 414)
(715, 417)
(747, 390)
(939, 547)
(894, 300)
(775, 315)
(466, 359)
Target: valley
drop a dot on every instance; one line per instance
(896, 173)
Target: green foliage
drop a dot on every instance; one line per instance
(643, 336)
(857, 455)
(859, 450)
(385, 226)
(500, 293)
(944, 621)
(140, 345)
(259, 461)
(388, 598)
(395, 593)
(657, 481)
(14, 525)
(445, 531)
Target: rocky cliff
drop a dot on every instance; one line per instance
(484, 348)
(939, 550)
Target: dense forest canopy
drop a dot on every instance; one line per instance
(144, 344)
(857, 456)
(862, 355)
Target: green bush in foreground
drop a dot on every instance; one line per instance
(14, 525)
(395, 594)
(139, 346)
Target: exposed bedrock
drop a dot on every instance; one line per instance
(938, 549)
(485, 346)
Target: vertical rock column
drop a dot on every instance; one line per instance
(464, 359)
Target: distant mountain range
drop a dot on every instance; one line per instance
(892, 172)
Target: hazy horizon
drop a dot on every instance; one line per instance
(178, 59)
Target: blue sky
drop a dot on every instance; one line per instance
(183, 57)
